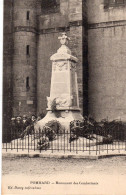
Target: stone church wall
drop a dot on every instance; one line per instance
(107, 60)
(102, 75)
(7, 61)
(24, 57)
(40, 31)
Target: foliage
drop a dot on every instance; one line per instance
(53, 105)
(55, 126)
(52, 129)
(42, 115)
(54, 108)
(110, 130)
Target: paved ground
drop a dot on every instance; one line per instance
(95, 177)
(44, 166)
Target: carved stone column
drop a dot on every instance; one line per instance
(63, 103)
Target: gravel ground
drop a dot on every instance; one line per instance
(44, 166)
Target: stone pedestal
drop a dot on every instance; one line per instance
(63, 103)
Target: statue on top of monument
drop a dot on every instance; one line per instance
(63, 53)
(64, 39)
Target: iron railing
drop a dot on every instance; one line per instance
(82, 138)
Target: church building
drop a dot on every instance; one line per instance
(97, 31)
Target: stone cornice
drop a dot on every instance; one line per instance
(48, 30)
(107, 24)
(57, 57)
(24, 29)
(76, 23)
(53, 30)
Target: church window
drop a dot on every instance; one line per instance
(27, 83)
(28, 50)
(50, 6)
(28, 15)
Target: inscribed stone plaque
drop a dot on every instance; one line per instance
(29, 102)
(60, 83)
(60, 77)
(59, 88)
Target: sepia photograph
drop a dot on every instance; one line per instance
(63, 97)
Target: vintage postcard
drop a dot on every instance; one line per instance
(64, 97)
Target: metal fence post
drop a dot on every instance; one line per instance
(64, 141)
(70, 140)
(34, 140)
(28, 143)
(17, 145)
(118, 140)
(67, 140)
(76, 146)
(89, 144)
(6, 142)
(96, 142)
